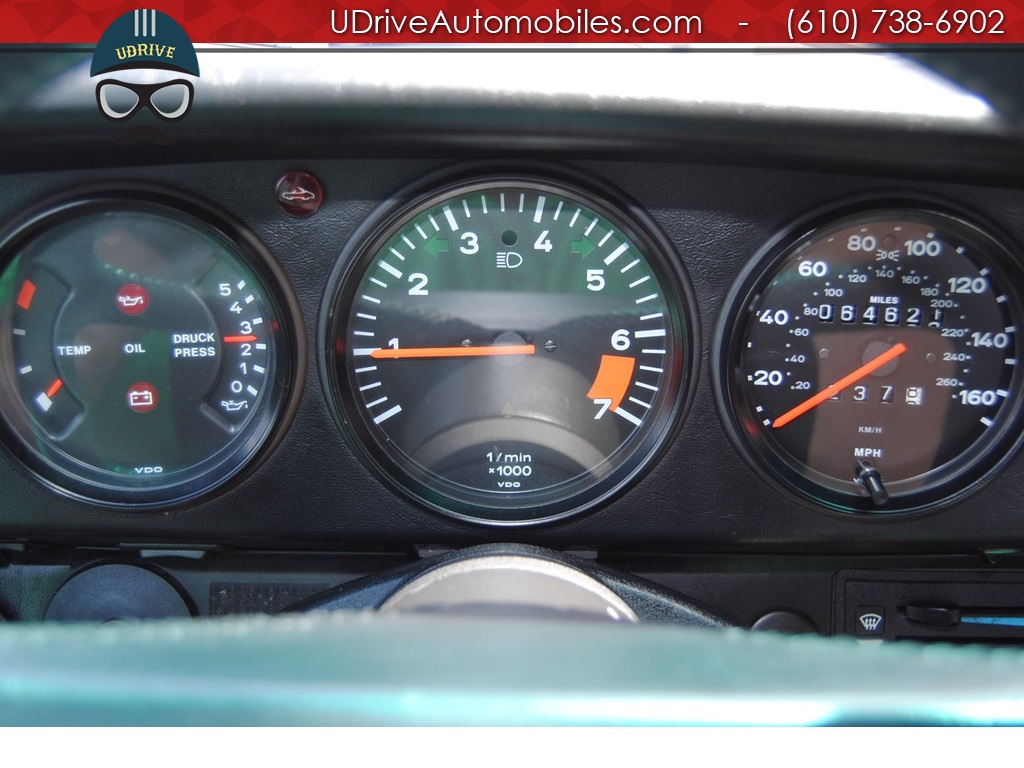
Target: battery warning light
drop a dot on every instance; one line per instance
(142, 397)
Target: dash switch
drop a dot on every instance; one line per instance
(933, 615)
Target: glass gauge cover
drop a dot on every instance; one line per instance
(509, 350)
(872, 364)
(143, 357)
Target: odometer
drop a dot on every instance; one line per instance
(508, 350)
(873, 363)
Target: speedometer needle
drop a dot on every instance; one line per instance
(833, 389)
(504, 349)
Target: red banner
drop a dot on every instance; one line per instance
(548, 22)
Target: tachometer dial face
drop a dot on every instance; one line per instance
(873, 363)
(143, 358)
(509, 351)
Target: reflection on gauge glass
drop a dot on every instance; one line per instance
(872, 364)
(509, 350)
(143, 358)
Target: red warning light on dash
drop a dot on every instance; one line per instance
(142, 397)
(132, 299)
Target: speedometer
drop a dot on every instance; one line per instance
(509, 349)
(873, 364)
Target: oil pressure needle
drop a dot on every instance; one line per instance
(833, 389)
(501, 349)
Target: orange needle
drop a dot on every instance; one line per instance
(507, 349)
(238, 339)
(832, 389)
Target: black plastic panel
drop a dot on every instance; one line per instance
(961, 607)
(312, 493)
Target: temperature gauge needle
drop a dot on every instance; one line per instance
(833, 389)
(506, 349)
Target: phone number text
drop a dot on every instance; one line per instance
(885, 25)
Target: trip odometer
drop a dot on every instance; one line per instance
(873, 364)
(508, 350)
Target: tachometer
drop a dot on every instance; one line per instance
(143, 357)
(873, 364)
(509, 350)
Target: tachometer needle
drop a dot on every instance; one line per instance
(503, 349)
(833, 389)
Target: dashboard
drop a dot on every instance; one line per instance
(739, 351)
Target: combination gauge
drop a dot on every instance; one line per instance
(144, 357)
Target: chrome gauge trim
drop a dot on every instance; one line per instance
(249, 426)
(906, 334)
(603, 474)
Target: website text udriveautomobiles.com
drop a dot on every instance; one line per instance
(479, 24)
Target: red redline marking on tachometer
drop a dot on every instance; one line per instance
(832, 389)
(238, 339)
(54, 388)
(421, 352)
(612, 379)
(28, 290)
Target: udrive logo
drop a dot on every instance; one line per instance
(144, 47)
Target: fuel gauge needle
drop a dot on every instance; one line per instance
(504, 349)
(833, 389)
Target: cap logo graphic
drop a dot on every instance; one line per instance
(150, 41)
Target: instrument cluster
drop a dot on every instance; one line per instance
(509, 349)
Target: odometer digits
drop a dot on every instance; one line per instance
(872, 365)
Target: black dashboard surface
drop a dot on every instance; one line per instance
(722, 151)
(313, 491)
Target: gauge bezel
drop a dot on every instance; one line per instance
(546, 505)
(952, 481)
(237, 458)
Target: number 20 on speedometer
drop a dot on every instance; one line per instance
(873, 364)
(509, 350)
